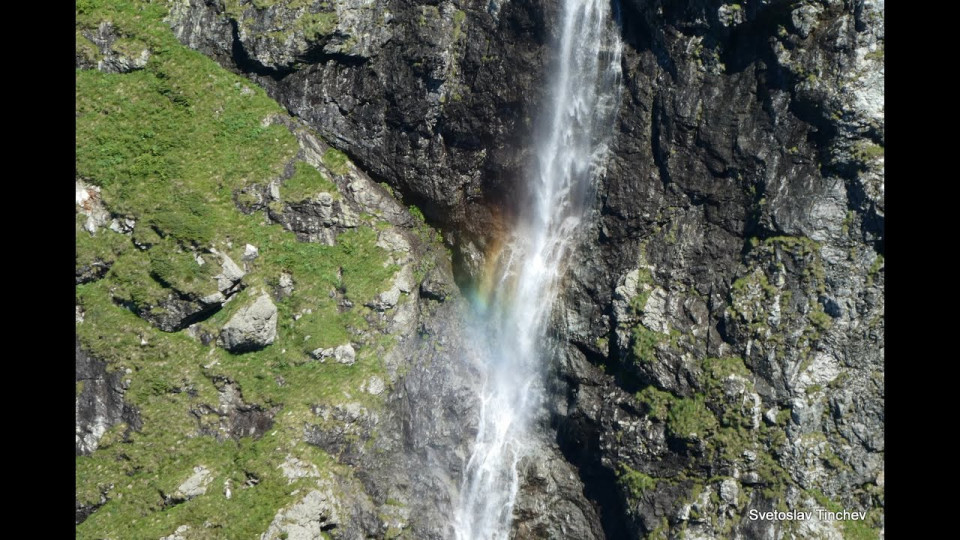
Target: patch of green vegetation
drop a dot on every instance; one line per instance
(132, 283)
(866, 152)
(847, 222)
(657, 402)
(833, 461)
(716, 372)
(128, 47)
(417, 213)
(852, 529)
(459, 17)
(169, 145)
(644, 341)
(306, 182)
(874, 269)
(756, 279)
(174, 267)
(336, 161)
(820, 319)
(800, 245)
(718, 369)
(317, 25)
(428, 14)
(87, 50)
(169, 142)
(644, 288)
(636, 483)
(875, 55)
(644, 344)
(103, 248)
(751, 295)
(690, 418)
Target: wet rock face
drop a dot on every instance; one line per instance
(740, 217)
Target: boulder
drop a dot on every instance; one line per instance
(252, 328)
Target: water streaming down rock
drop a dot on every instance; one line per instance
(509, 323)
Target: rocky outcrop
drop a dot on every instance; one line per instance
(232, 417)
(251, 328)
(99, 402)
(334, 508)
(186, 305)
(193, 486)
(342, 354)
(107, 51)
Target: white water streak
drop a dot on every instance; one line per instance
(510, 329)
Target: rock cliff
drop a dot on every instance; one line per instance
(723, 321)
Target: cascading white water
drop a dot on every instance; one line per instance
(509, 327)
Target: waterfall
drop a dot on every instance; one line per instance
(509, 322)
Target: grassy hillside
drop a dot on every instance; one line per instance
(169, 146)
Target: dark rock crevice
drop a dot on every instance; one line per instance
(246, 64)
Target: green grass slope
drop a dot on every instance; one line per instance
(169, 145)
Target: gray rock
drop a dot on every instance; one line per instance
(90, 204)
(322, 354)
(375, 386)
(433, 288)
(182, 308)
(195, 485)
(285, 284)
(182, 533)
(729, 489)
(404, 279)
(251, 328)
(294, 469)
(750, 478)
(250, 253)
(386, 299)
(344, 354)
(318, 220)
(230, 274)
(100, 402)
(305, 520)
(393, 241)
(805, 18)
(111, 60)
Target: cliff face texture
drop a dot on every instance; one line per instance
(269, 342)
